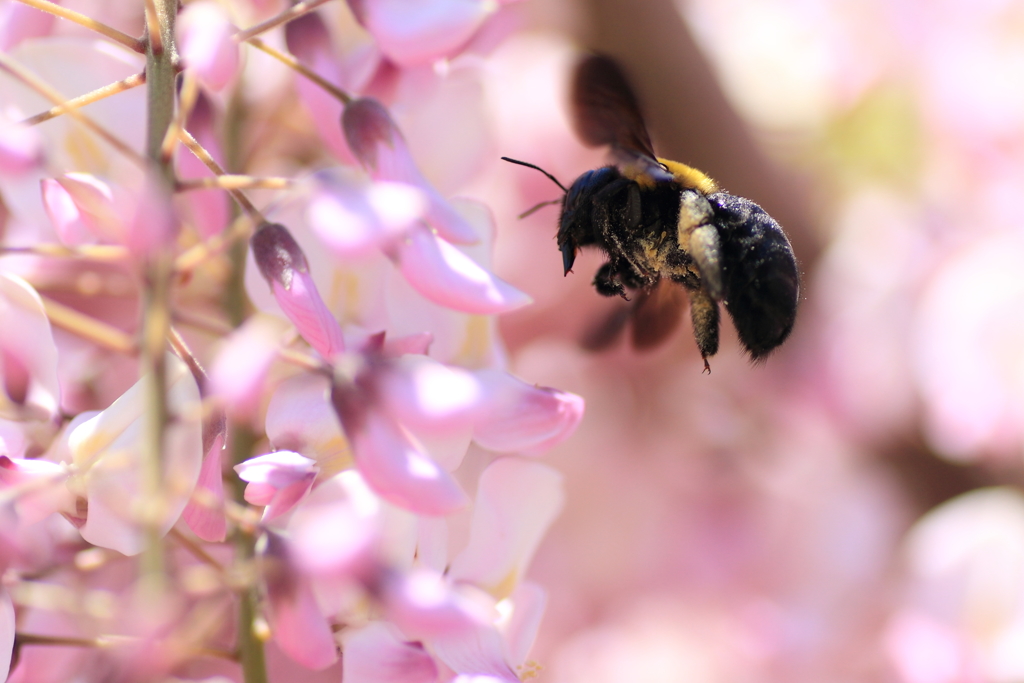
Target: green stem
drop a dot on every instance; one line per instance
(160, 94)
(250, 647)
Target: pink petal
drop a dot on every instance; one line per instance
(65, 216)
(375, 654)
(240, 369)
(413, 32)
(334, 534)
(300, 418)
(381, 149)
(20, 22)
(278, 469)
(411, 343)
(284, 266)
(429, 397)
(357, 220)
(525, 418)
(309, 41)
(83, 208)
(478, 656)
(425, 606)
(204, 513)
(154, 226)
(21, 147)
(299, 628)
(448, 277)
(529, 602)
(205, 44)
(398, 470)
(207, 210)
(516, 502)
(7, 628)
(107, 452)
(43, 484)
(29, 388)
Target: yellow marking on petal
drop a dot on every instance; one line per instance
(504, 588)
(476, 345)
(338, 458)
(85, 152)
(344, 296)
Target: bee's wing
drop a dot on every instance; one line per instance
(605, 111)
(655, 313)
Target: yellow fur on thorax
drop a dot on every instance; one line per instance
(640, 172)
(689, 177)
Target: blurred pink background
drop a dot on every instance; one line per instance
(851, 509)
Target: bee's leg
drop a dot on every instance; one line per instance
(699, 237)
(606, 281)
(705, 317)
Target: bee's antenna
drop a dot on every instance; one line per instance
(529, 212)
(523, 163)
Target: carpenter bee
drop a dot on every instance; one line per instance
(662, 222)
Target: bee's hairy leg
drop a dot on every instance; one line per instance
(606, 281)
(705, 315)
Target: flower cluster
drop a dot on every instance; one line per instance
(327, 353)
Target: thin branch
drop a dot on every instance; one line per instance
(153, 31)
(186, 101)
(294, 12)
(301, 68)
(194, 548)
(92, 252)
(200, 152)
(88, 98)
(133, 44)
(31, 80)
(99, 333)
(233, 182)
(240, 229)
(202, 322)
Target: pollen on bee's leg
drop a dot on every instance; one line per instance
(705, 317)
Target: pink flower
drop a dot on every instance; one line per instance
(7, 627)
(284, 266)
(356, 219)
(21, 147)
(277, 481)
(239, 372)
(309, 41)
(295, 619)
(381, 149)
(378, 653)
(204, 513)
(300, 419)
(206, 44)
(106, 451)
(445, 275)
(28, 355)
(525, 418)
(84, 208)
(39, 487)
(20, 22)
(419, 31)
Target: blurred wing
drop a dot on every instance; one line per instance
(605, 111)
(656, 314)
(608, 329)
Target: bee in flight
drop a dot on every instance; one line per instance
(662, 222)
